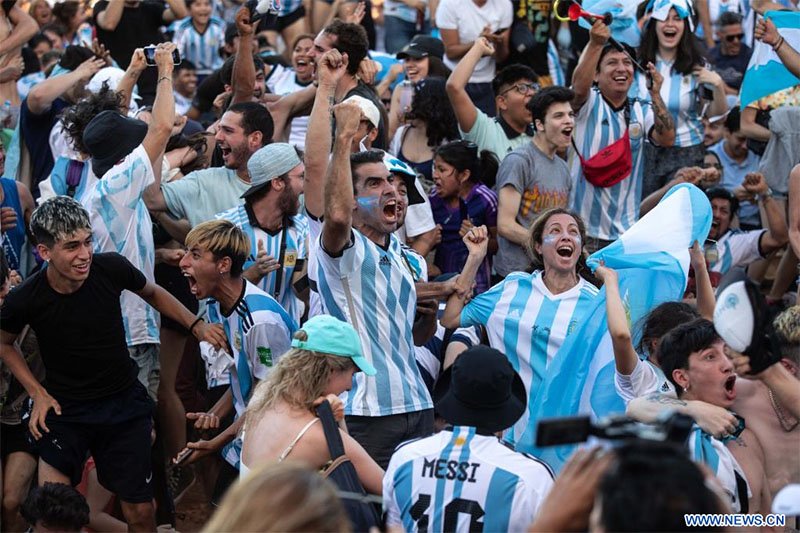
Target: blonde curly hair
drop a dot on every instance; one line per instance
(299, 378)
(787, 325)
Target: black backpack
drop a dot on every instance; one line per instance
(361, 508)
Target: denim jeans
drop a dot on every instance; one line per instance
(400, 32)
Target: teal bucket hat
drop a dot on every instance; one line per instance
(330, 335)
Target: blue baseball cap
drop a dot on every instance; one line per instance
(330, 335)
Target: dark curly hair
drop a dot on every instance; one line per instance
(431, 105)
(56, 506)
(76, 117)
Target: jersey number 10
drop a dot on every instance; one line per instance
(451, 512)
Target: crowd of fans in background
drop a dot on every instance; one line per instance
(219, 218)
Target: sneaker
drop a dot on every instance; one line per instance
(179, 480)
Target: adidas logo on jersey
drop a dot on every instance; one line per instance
(665, 387)
(515, 314)
(385, 262)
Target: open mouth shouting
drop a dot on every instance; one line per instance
(390, 210)
(565, 250)
(566, 133)
(730, 387)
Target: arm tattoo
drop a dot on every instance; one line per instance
(663, 118)
(665, 400)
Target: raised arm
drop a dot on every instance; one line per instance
(777, 234)
(477, 242)
(132, 73)
(625, 357)
(42, 95)
(332, 66)
(24, 28)
(663, 123)
(705, 22)
(704, 291)
(768, 33)
(338, 223)
(583, 76)
(176, 10)
(163, 116)
(244, 69)
(465, 110)
(109, 18)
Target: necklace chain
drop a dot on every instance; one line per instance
(782, 417)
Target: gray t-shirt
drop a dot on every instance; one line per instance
(543, 183)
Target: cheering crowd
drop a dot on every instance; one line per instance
(243, 241)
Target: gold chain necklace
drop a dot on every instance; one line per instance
(782, 417)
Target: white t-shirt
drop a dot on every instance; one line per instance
(121, 223)
(470, 20)
(457, 480)
(645, 379)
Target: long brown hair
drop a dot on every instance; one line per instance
(535, 237)
(299, 378)
(282, 496)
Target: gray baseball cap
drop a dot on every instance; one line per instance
(268, 163)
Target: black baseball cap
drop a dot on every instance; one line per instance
(422, 46)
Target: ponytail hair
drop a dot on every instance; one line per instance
(463, 155)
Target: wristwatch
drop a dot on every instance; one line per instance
(759, 197)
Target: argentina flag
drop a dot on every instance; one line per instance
(652, 262)
(765, 73)
(624, 25)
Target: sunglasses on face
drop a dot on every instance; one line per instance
(734, 37)
(522, 88)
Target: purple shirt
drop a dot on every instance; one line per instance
(480, 208)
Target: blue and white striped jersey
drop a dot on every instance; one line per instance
(735, 248)
(121, 223)
(294, 254)
(459, 481)
(681, 96)
(608, 211)
(372, 288)
(286, 83)
(202, 49)
(528, 323)
(259, 332)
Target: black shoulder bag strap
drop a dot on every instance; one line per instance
(281, 259)
(332, 436)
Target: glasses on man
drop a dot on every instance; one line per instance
(522, 88)
(734, 37)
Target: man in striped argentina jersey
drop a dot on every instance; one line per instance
(528, 316)
(365, 278)
(605, 115)
(257, 328)
(278, 235)
(200, 36)
(464, 478)
(729, 247)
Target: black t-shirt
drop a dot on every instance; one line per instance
(81, 335)
(35, 131)
(535, 16)
(138, 27)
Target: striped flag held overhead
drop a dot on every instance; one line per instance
(652, 261)
(766, 74)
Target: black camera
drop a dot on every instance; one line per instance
(671, 427)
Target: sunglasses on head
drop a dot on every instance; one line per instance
(522, 88)
(735, 36)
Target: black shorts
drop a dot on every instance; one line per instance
(14, 438)
(115, 431)
(280, 23)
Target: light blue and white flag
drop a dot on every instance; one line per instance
(624, 26)
(765, 73)
(652, 263)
